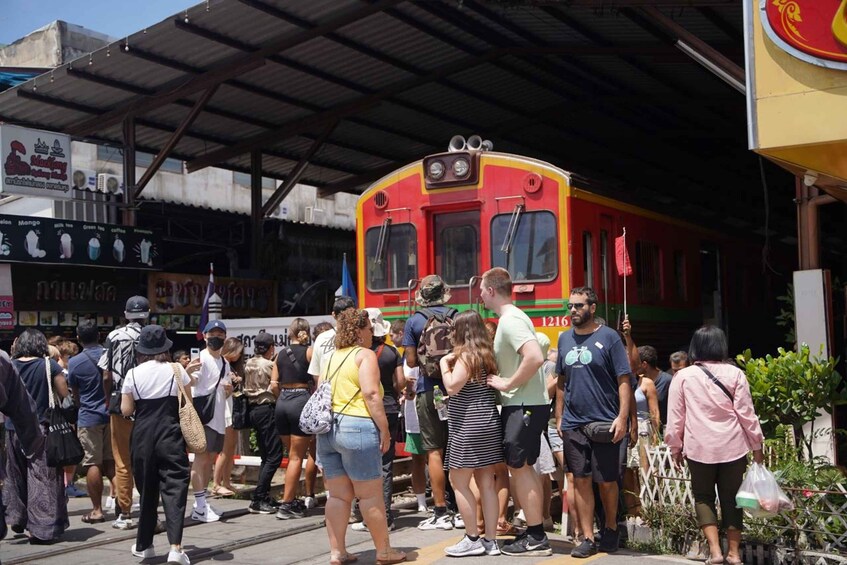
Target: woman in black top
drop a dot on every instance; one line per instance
(291, 370)
(34, 493)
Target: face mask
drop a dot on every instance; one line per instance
(214, 343)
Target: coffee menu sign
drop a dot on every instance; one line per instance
(178, 293)
(66, 242)
(35, 163)
(814, 31)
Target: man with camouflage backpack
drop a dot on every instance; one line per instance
(426, 340)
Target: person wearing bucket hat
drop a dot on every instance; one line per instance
(393, 381)
(159, 458)
(431, 296)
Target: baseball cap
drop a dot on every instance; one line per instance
(137, 308)
(214, 324)
(262, 342)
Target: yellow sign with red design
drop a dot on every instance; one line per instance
(812, 30)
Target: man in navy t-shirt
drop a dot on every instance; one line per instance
(595, 386)
(86, 380)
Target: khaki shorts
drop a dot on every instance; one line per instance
(97, 443)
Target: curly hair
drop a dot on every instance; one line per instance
(348, 326)
(299, 331)
(472, 344)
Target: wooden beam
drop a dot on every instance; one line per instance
(174, 139)
(233, 67)
(294, 176)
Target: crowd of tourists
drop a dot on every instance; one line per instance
(488, 410)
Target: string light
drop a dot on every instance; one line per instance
(90, 59)
(126, 44)
(186, 16)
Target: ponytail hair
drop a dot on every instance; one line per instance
(299, 331)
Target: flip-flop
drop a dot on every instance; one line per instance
(86, 518)
(222, 491)
(348, 558)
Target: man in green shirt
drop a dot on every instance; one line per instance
(526, 405)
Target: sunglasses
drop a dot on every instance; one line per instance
(576, 305)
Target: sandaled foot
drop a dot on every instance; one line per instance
(714, 560)
(733, 560)
(389, 557)
(90, 518)
(343, 559)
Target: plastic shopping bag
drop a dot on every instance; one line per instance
(760, 493)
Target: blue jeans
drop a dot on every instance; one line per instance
(351, 448)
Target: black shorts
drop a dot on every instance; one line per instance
(522, 439)
(289, 405)
(433, 429)
(601, 461)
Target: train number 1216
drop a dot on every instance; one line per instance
(555, 321)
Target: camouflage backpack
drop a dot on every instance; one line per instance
(435, 341)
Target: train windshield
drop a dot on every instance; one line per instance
(391, 252)
(533, 255)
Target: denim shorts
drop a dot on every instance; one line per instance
(351, 448)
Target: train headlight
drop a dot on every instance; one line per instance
(461, 167)
(436, 170)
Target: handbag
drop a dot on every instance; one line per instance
(62, 446)
(239, 410)
(205, 405)
(599, 432)
(189, 421)
(316, 417)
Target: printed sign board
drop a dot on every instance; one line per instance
(35, 163)
(182, 293)
(247, 328)
(66, 242)
(812, 30)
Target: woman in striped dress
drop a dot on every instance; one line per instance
(475, 438)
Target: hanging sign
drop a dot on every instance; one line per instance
(814, 31)
(66, 242)
(35, 163)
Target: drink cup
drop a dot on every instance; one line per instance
(144, 247)
(118, 250)
(67, 246)
(93, 248)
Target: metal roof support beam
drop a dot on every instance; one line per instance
(174, 139)
(256, 218)
(306, 123)
(294, 176)
(700, 51)
(129, 170)
(234, 67)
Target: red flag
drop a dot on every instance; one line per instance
(622, 257)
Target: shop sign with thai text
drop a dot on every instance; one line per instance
(35, 163)
(66, 242)
(812, 30)
(178, 293)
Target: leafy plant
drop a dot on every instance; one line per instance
(785, 318)
(673, 525)
(792, 389)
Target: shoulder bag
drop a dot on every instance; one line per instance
(316, 417)
(240, 407)
(189, 421)
(599, 432)
(205, 405)
(62, 446)
(719, 384)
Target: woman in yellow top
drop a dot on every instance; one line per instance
(351, 452)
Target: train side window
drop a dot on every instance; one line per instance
(587, 259)
(648, 271)
(399, 260)
(604, 265)
(535, 250)
(679, 275)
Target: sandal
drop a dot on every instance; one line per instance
(347, 558)
(390, 557)
(88, 519)
(222, 491)
(714, 561)
(506, 529)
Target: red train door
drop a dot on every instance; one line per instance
(456, 250)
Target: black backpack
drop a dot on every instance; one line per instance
(435, 341)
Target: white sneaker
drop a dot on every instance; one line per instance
(359, 527)
(122, 522)
(110, 504)
(422, 508)
(491, 547)
(136, 506)
(310, 502)
(178, 558)
(465, 547)
(146, 554)
(206, 515)
(434, 522)
(458, 521)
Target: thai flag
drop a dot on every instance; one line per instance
(204, 314)
(622, 257)
(347, 286)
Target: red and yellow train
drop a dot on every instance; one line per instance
(462, 212)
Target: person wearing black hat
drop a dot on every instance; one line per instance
(159, 458)
(210, 378)
(117, 359)
(261, 391)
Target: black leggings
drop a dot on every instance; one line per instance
(727, 477)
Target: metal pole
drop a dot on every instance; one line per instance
(129, 170)
(255, 207)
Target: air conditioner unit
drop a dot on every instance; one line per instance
(313, 215)
(84, 179)
(284, 212)
(109, 184)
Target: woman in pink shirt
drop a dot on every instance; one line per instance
(712, 424)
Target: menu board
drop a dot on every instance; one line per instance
(66, 242)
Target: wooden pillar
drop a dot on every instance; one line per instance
(129, 171)
(255, 208)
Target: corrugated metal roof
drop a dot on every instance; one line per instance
(402, 78)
